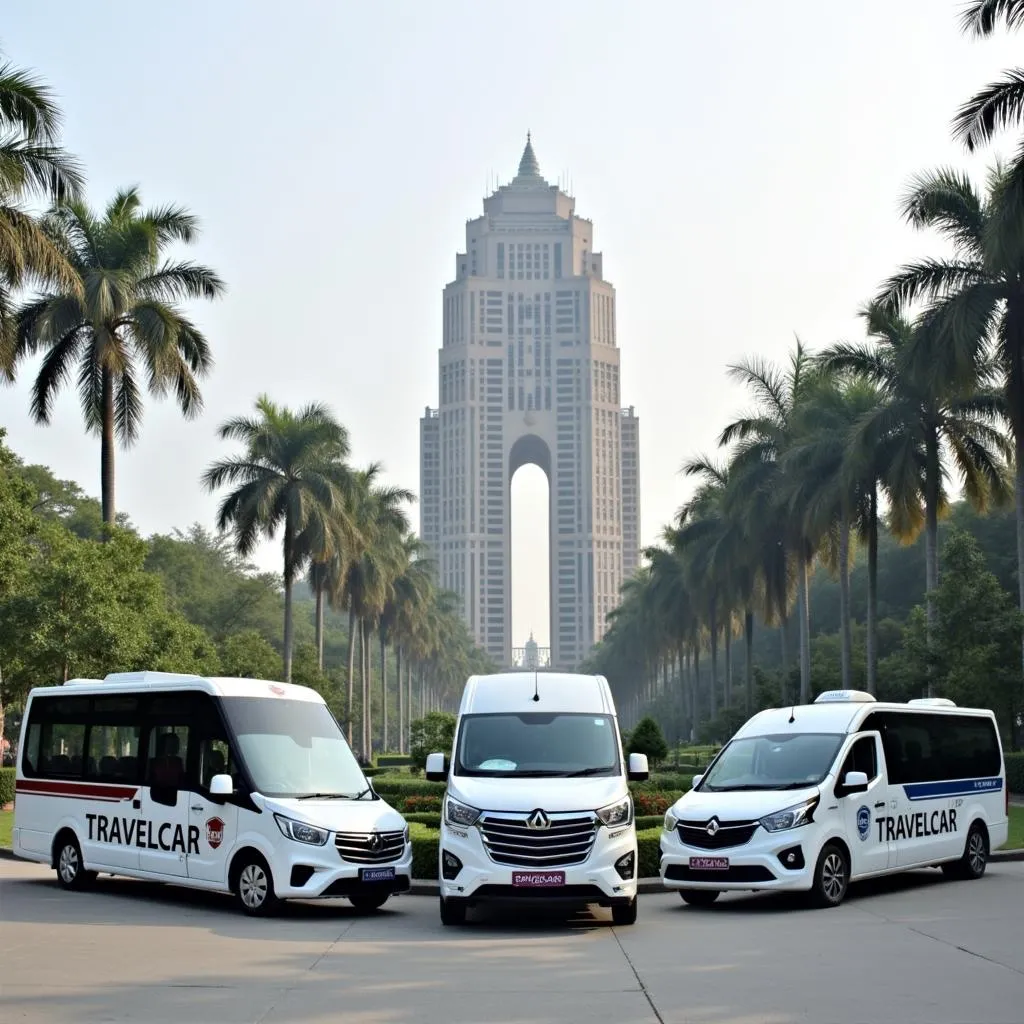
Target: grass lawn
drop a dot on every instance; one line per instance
(1016, 840)
(6, 824)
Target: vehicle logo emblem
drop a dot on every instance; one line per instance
(375, 842)
(712, 827)
(863, 821)
(214, 832)
(538, 820)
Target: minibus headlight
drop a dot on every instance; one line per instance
(791, 817)
(618, 813)
(670, 820)
(301, 832)
(458, 814)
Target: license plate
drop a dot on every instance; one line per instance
(709, 863)
(538, 879)
(376, 874)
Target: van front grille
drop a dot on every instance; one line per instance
(511, 840)
(726, 834)
(370, 847)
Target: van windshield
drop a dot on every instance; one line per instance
(294, 748)
(537, 745)
(786, 761)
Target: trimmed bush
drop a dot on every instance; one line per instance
(648, 821)
(417, 804)
(393, 760)
(1015, 772)
(647, 738)
(405, 785)
(648, 845)
(652, 803)
(7, 785)
(428, 818)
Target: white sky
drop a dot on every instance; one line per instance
(742, 163)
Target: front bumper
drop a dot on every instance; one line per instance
(480, 879)
(770, 861)
(318, 872)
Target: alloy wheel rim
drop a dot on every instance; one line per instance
(976, 852)
(252, 886)
(833, 877)
(68, 863)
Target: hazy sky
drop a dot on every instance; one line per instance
(742, 163)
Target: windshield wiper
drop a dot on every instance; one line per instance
(360, 795)
(745, 789)
(324, 796)
(589, 771)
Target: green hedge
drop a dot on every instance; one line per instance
(6, 785)
(425, 840)
(1015, 772)
(393, 760)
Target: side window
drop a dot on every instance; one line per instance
(215, 758)
(56, 737)
(166, 767)
(861, 758)
(114, 740)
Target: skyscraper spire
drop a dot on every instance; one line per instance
(529, 168)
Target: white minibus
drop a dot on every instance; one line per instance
(239, 785)
(812, 797)
(537, 806)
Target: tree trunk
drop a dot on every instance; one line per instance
(384, 748)
(728, 660)
(107, 450)
(931, 547)
(351, 670)
(784, 642)
(846, 632)
(695, 694)
(872, 623)
(320, 626)
(288, 574)
(401, 698)
(748, 669)
(713, 688)
(803, 569)
(408, 678)
(364, 643)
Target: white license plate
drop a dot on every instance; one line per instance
(709, 863)
(376, 874)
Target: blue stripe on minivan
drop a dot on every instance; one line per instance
(963, 787)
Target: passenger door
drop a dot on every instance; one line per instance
(216, 819)
(165, 797)
(870, 850)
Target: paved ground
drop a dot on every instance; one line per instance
(911, 950)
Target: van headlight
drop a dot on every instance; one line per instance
(618, 813)
(670, 820)
(791, 817)
(301, 832)
(459, 814)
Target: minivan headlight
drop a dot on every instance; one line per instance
(792, 817)
(670, 820)
(618, 813)
(301, 832)
(459, 814)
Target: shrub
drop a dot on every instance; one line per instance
(649, 803)
(6, 785)
(393, 760)
(404, 785)
(649, 821)
(1015, 772)
(419, 803)
(431, 819)
(649, 853)
(647, 739)
(430, 734)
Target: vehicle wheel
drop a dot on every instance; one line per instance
(254, 886)
(624, 913)
(453, 911)
(70, 872)
(831, 877)
(975, 856)
(699, 897)
(368, 902)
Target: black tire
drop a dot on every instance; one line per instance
(254, 886)
(368, 902)
(624, 913)
(699, 897)
(67, 860)
(453, 912)
(974, 859)
(831, 876)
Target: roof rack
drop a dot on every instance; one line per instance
(844, 697)
(150, 677)
(935, 702)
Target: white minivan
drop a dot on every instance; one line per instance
(815, 796)
(239, 785)
(537, 806)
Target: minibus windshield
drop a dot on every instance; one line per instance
(537, 745)
(295, 748)
(786, 761)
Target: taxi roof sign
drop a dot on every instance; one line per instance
(844, 697)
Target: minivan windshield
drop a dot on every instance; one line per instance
(787, 761)
(295, 748)
(537, 745)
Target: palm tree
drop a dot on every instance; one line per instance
(292, 476)
(119, 321)
(975, 315)
(32, 166)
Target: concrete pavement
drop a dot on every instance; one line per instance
(913, 949)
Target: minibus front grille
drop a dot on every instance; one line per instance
(370, 847)
(565, 841)
(720, 837)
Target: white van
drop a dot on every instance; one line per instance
(816, 796)
(537, 805)
(238, 785)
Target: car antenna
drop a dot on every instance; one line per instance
(792, 715)
(536, 695)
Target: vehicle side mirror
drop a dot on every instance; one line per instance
(696, 780)
(638, 768)
(437, 770)
(855, 782)
(221, 785)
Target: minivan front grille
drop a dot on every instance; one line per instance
(565, 841)
(370, 847)
(721, 837)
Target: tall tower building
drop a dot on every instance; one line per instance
(529, 373)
